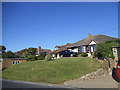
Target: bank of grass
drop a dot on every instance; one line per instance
(56, 71)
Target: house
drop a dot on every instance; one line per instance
(62, 47)
(61, 51)
(6, 62)
(39, 50)
(88, 44)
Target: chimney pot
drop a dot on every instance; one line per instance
(89, 35)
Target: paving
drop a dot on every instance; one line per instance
(103, 82)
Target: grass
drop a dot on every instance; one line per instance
(55, 72)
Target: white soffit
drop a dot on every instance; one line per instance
(92, 43)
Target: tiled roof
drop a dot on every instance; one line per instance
(63, 45)
(46, 50)
(61, 48)
(97, 38)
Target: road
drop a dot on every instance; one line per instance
(105, 83)
(12, 84)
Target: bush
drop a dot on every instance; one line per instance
(8, 54)
(31, 58)
(104, 50)
(79, 55)
(48, 57)
(40, 57)
(84, 54)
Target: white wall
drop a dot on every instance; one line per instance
(74, 50)
(92, 42)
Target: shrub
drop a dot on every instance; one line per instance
(48, 57)
(40, 57)
(84, 54)
(79, 55)
(31, 58)
(104, 50)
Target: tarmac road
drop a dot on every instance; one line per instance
(21, 85)
(13, 84)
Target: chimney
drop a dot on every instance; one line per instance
(89, 35)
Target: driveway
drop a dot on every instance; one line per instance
(103, 82)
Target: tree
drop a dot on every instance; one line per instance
(31, 58)
(20, 53)
(32, 51)
(8, 54)
(104, 50)
(2, 48)
(25, 54)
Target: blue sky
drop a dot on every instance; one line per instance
(47, 24)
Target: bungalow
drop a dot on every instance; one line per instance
(61, 51)
(88, 44)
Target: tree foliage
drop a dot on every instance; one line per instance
(31, 58)
(2, 48)
(8, 54)
(104, 50)
(26, 52)
(41, 56)
(32, 51)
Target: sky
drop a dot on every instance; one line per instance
(47, 24)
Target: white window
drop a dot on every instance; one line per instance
(92, 49)
(84, 49)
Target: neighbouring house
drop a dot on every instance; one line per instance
(62, 47)
(40, 50)
(87, 45)
(6, 62)
(61, 51)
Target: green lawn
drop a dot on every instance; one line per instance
(56, 71)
